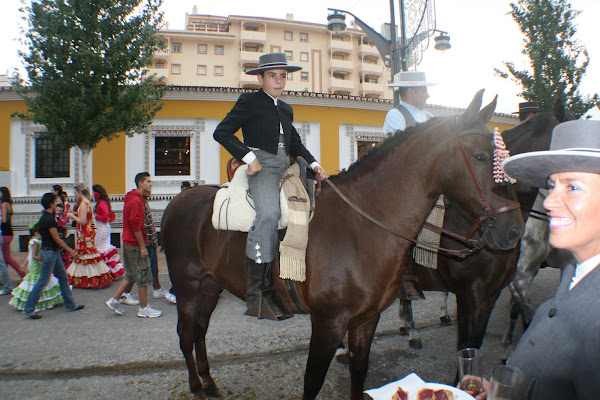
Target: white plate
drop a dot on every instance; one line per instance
(412, 384)
(458, 394)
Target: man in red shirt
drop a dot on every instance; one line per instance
(135, 253)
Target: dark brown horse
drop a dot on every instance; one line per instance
(479, 279)
(352, 272)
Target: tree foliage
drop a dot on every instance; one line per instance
(85, 65)
(558, 62)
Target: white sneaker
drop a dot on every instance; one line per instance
(159, 293)
(148, 312)
(171, 298)
(128, 299)
(115, 305)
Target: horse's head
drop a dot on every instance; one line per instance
(469, 179)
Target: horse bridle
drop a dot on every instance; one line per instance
(488, 218)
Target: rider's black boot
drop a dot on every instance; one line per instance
(261, 302)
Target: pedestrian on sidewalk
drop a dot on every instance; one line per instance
(158, 292)
(7, 231)
(50, 296)
(51, 260)
(135, 252)
(5, 279)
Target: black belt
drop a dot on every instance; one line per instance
(49, 248)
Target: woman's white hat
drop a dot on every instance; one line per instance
(410, 79)
(575, 147)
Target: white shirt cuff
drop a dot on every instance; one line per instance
(314, 164)
(248, 158)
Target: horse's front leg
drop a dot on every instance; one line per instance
(359, 342)
(474, 310)
(407, 324)
(327, 333)
(444, 314)
(210, 290)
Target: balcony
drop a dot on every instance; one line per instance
(338, 46)
(341, 84)
(250, 56)
(341, 65)
(253, 37)
(368, 50)
(248, 81)
(371, 69)
(368, 89)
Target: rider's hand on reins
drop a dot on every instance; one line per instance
(321, 171)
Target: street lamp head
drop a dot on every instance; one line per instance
(336, 22)
(442, 42)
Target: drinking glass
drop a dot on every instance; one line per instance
(469, 370)
(505, 382)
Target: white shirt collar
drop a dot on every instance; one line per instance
(581, 270)
(274, 99)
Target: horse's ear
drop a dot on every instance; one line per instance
(560, 113)
(486, 113)
(472, 112)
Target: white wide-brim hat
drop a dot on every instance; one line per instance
(273, 61)
(575, 147)
(410, 79)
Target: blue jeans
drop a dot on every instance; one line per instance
(4, 277)
(51, 262)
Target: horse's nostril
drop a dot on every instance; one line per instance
(514, 234)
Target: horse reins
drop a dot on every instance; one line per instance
(488, 217)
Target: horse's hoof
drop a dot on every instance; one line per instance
(403, 331)
(415, 344)
(342, 356)
(211, 391)
(445, 320)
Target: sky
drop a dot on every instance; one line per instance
(483, 36)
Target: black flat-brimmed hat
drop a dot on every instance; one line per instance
(528, 107)
(575, 147)
(273, 61)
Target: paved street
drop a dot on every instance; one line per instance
(95, 354)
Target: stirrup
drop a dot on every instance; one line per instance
(263, 308)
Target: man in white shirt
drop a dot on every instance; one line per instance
(411, 109)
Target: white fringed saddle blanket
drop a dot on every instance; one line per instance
(233, 208)
(426, 256)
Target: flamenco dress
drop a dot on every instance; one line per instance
(88, 269)
(50, 296)
(62, 220)
(109, 252)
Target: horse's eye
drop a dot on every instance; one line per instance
(480, 157)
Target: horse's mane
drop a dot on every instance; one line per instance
(389, 143)
(535, 124)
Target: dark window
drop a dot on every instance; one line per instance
(171, 156)
(51, 161)
(365, 146)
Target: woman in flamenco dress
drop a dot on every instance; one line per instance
(104, 216)
(51, 295)
(88, 269)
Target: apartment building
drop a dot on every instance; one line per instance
(216, 51)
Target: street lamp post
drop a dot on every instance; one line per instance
(394, 55)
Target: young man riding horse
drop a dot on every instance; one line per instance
(269, 139)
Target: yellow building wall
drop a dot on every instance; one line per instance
(110, 157)
(7, 108)
(109, 165)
